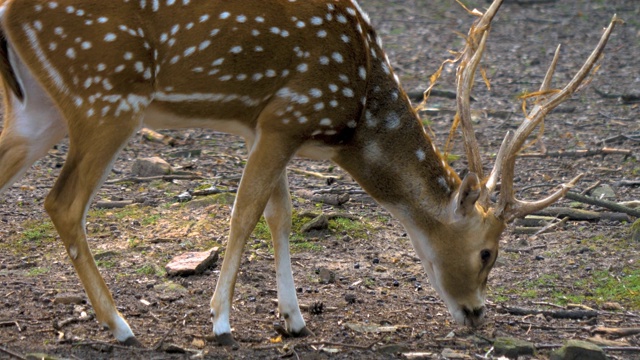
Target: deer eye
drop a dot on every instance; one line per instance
(485, 256)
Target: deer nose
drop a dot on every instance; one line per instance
(473, 317)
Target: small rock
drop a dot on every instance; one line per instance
(153, 166)
(512, 347)
(578, 350)
(320, 222)
(380, 268)
(612, 306)
(183, 197)
(327, 276)
(192, 262)
(225, 198)
(603, 192)
(350, 298)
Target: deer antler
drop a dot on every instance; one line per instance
(469, 61)
(508, 207)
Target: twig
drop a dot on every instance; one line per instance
(164, 337)
(154, 136)
(115, 346)
(552, 226)
(603, 203)
(136, 179)
(581, 215)
(588, 190)
(11, 353)
(313, 173)
(580, 153)
(558, 314)
(616, 332)
(526, 250)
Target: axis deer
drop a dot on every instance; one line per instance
(292, 78)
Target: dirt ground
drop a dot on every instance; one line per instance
(380, 303)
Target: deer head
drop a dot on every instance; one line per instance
(471, 221)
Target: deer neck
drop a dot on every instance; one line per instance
(391, 156)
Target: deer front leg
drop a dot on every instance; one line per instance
(278, 216)
(91, 152)
(265, 166)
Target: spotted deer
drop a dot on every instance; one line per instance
(291, 77)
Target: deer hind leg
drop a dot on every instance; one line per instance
(31, 127)
(267, 160)
(93, 147)
(278, 216)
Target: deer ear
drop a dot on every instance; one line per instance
(467, 195)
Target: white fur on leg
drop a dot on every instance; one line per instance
(221, 322)
(287, 299)
(121, 331)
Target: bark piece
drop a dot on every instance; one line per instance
(320, 222)
(192, 263)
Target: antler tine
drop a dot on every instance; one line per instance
(466, 71)
(492, 180)
(508, 207)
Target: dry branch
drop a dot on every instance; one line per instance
(603, 203)
(154, 136)
(580, 153)
(582, 215)
(616, 332)
(136, 179)
(557, 314)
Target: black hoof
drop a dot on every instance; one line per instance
(303, 332)
(133, 342)
(282, 331)
(226, 340)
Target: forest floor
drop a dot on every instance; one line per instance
(380, 303)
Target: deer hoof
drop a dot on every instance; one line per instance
(303, 332)
(133, 342)
(284, 332)
(226, 339)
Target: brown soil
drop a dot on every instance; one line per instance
(569, 266)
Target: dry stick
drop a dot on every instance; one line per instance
(11, 353)
(603, 203)
(164, 337)
(616, 332)
(136, 179)
(558, 314)
(552, 226)
(580, 153)
(588, 190)
(581, 215)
